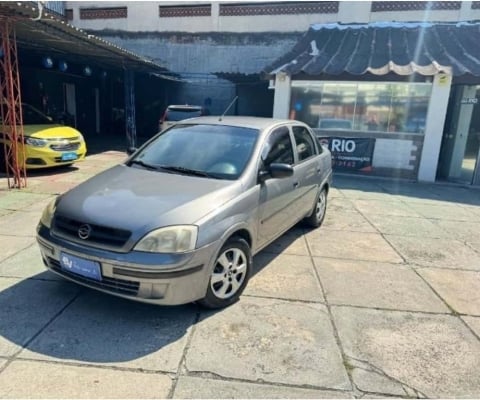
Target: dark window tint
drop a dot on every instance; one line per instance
(278, 148)
(304, 141)
(31, 116)
(178, 114)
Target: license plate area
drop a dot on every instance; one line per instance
(69, 156)
(80, 266)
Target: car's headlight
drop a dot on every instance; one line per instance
(36, 142)
(172, 239)
(47, 216)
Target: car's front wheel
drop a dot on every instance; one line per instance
(230, 274)
(319, 211)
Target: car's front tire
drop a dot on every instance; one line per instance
(319, 211)
(230, 274)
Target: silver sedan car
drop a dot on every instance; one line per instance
(181, 218)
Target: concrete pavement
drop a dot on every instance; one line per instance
(383, 300)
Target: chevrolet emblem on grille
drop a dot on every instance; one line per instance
(84, 231)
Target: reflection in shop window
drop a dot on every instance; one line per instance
(361, 106)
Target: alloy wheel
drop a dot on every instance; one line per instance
(229, 273)
(321, 205)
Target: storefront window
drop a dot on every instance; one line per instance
(361, 106)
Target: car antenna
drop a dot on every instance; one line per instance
(228, 108)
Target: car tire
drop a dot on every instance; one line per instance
(230, 274)
(320, 209)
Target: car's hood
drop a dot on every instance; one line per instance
(50, 131)
(137, 199)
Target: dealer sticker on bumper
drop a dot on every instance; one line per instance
(80, 266)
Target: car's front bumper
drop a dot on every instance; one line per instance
(152, 278)
(45, 157)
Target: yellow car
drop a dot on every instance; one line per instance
(45, 143)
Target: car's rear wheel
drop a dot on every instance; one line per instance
(230, 274)
(320, 210)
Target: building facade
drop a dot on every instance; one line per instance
(73, 77)
(388, 90)
(411, 123)
(249, 17)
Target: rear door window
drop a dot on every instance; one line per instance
(305, 145)
(178, 114)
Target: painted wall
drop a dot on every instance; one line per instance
(207, 53)
(197, 57)
(143, 16)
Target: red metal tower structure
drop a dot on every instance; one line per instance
(11, 106)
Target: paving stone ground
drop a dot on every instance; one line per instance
(382, 301)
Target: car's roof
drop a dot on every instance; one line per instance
(241, 121)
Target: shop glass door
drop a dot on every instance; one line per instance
(461, 139)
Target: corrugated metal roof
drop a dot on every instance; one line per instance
(50, 34)
(385, 47)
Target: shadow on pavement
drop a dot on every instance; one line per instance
(441, 192)
(52, 171)
(59, 319)
(278, 247)
(104, 143)
(54, 318)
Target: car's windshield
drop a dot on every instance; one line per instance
(31, 116)
(217, 151)
(177, 114)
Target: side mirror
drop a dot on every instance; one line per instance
(131, 150)
(277, 171)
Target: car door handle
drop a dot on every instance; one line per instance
(295, 184)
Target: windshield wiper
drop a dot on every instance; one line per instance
(144, 164)
(188, 171)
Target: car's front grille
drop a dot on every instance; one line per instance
(113, 285)
(101, 235)
(65, 146)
